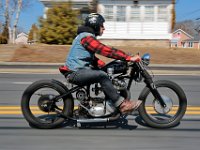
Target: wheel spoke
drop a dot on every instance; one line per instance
(163, 117)
(44, 106)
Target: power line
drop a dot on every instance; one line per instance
(189, 13)
(184, 15)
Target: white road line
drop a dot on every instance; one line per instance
(22, 83)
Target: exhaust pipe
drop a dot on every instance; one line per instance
(95, 120)
(100, 120)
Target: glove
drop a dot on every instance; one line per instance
(136, 58)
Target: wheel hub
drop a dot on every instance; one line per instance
(163, 110)
(45, 103)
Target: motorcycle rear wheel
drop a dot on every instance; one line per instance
(154, 115)
(38, 106)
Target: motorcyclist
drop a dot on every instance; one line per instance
(82, 60)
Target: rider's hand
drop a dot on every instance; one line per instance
(135, 58)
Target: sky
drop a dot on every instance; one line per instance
(185, 9)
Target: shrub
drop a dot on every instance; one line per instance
(60, 26)
(3, 40)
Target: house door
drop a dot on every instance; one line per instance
(183, 44)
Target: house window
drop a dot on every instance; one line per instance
(162, 13)
(149, 13)
(121, 14)
(135, 14)
(115, 13)
(108, 14)
(190, 44)
(183, 44)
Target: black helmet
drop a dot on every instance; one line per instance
(95, 21)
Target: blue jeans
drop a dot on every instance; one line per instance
(84, 77)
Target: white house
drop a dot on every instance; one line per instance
(22, 38)
(138, 19)
(77, 4)
(145, 22)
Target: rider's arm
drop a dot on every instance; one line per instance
(92, 44)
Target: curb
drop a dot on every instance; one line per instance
(39, 64)
(36, 67)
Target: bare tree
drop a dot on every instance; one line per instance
(1, 8)
(7, 19)
(187, 25)
(12, 10)
(16, 20)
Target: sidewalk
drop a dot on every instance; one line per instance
(52, 68)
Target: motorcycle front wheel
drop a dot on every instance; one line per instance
(39, 107)
(156, 116)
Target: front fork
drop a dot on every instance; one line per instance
(150, 84)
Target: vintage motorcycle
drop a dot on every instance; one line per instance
(48, 104)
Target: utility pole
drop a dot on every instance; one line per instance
(198, 31)
(198, 27)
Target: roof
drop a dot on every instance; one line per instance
(180, 30)
(196, 38)
(22, 34)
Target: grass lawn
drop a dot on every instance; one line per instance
(57, 54)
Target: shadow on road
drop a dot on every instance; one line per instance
(124, 123)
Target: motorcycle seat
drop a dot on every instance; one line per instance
(65, 70)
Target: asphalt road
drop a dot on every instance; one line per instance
(15, 133)
(12, 86)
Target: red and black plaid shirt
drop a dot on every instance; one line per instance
(93, 45)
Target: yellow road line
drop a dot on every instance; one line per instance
(16, 110)
(197, 108)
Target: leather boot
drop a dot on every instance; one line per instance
(127, 106)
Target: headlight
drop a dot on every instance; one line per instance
(146, 59)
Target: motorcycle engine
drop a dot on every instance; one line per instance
(97, 110)
(119, 84)
(100, 108)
